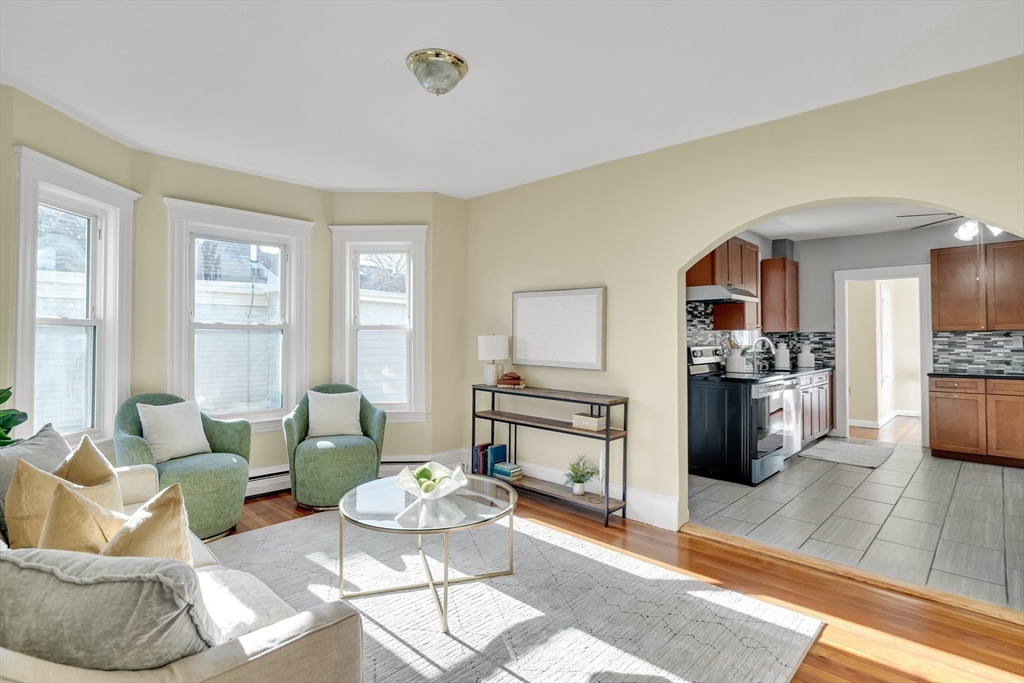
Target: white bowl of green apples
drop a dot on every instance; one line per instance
(431, 481)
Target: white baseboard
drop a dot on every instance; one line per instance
(862, 423)
(885, 420)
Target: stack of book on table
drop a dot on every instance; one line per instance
(508, 471)
(590, 422)
(511, 380)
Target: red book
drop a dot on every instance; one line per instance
(479, 464)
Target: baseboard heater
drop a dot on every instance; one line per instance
(265, 482)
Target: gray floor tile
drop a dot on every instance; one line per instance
(695, 483)
(967, 587)
(992, 477)
(909, 532)
(728, 525)
(975, 509)
(797, 477)
(1013, 507)
(983, 564)
(976, 466)
(864, 510)
(1014, 489)
(830, 493)
(941, 464)
(898, 561)
(753, 510)
(807, 510)
(854, 468)
(878, 492)
(776, 491)
(832, 552)
(897, 465)
(1015, 589)
(935, 478)
(725, 492)
(1014, 554)
(702, 508)
(783, 532)
(884, 444)
(846, 532)
(1013, 527)
(1014, 474)
(910, 448)
(843, 478)
(973, 532)
(928, 492)
(815, 465)
(921, 510)
(986, 494)
(889, 478)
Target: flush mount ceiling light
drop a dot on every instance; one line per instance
(967, 231)
(438, 71)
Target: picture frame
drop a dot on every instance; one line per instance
(560, 328)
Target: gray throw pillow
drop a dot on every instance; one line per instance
(98, 612)
(45, 450)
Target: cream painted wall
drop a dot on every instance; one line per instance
(25, 121)
(636, 224)
(862, 319)
(906, 334)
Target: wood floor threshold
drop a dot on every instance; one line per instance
(896, 585)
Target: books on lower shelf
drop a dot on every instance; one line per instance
(594, 423)
(508, 471)
(495, 454)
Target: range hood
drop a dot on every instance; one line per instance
(717, 294)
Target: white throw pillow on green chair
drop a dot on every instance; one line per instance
(334, 414)
(174, 430)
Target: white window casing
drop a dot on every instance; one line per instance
(348, 242)
(189, 221)
(109, 208)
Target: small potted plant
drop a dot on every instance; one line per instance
(580, 472)
(9, 419)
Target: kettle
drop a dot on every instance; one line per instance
(805, 359)
(735, 361)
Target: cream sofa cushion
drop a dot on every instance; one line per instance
(45, 450)
(96, 612)
(73, 522)
(239, 603)
(85, 471)
(174, 430)
(334, 414)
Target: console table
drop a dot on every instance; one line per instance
(598, 404)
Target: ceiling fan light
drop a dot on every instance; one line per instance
(438, 71)
(967, 231)
(994, 230)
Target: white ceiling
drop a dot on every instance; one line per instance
(855, 218)
(318, 92)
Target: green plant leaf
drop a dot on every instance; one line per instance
(9, 419)
(5, 394)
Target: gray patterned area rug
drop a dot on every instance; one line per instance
(572, 611)
(837, 450)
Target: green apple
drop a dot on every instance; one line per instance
(427, 486)
(441, 478)
(422, 473)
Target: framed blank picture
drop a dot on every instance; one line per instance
(560, 328)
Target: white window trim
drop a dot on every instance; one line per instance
(40, 176)
(186, 218)
(348, 239)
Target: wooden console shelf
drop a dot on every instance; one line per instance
(599, 404)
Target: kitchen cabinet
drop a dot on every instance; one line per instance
(1005, 416)
(957, 422)
(1004, 285)
(733, 263)
(816, 414)
(976, 289)
(780, 295)
(741, 315)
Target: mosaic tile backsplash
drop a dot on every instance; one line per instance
(989, 352)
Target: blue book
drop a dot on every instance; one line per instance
(506, 469)
(496, 454)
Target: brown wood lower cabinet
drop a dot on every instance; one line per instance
(979, 417)
(957, 422)
(1005, 415)
(816, 409)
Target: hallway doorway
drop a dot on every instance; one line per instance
(902, 430)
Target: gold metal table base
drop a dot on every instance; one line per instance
(441, 604)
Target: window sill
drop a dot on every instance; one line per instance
(395, 416)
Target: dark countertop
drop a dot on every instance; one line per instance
(757, 377)
(968, 374)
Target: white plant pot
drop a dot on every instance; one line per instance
(579, 489)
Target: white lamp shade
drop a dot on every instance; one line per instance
(493, 346)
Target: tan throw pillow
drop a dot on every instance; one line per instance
(86, 471)
(157, 529)
(73, 522)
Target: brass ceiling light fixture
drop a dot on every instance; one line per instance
(438, 71)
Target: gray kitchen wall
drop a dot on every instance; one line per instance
(819, 259)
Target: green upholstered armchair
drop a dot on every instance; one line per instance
(324, 468)
(213, 484)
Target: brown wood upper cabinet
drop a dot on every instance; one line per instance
(732, 264)
(780, 295)
(978, 290)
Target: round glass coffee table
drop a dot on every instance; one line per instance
(382, 506)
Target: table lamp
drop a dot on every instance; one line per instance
(492, 347)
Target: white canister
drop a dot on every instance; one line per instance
(735, 362)
(805, 359)
(781, 357)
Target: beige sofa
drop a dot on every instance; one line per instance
(321, 644)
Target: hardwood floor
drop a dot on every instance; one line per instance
(900, 429)
(871, 634)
